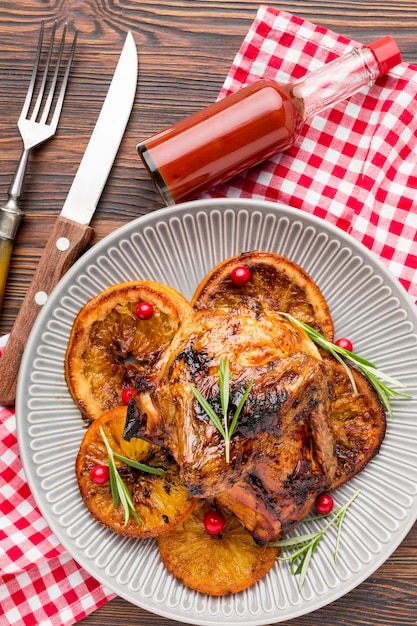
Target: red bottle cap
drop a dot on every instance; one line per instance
(386, 53)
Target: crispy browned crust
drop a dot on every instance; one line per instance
(358, 421)
(281, 489)
(110, 346)
(275, 280)
(214, 564)
(161, 502)
(282, 450)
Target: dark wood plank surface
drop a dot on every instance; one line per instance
(185, 50)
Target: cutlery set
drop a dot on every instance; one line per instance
(71, 232)
(35, 127)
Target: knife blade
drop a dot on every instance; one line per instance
(71, 232)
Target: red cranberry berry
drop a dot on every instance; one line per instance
(99, 474)
(345, 343)
(240, 276)
(324, 504)
(144, 310)
(214, 522)
(127, 395)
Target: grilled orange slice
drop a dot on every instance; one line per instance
(110, 345)
(161, 502)
(358, 421)
(275, 281)
(214, 564)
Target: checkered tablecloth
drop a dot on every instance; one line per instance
(355, 165)
(40, 584)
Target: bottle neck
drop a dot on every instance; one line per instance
(336, 81)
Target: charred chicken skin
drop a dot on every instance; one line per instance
(282, 453)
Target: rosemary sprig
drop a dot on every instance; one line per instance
(224, 428)
(368, 369)
(140, 466)
(305, 545)
(119, 490)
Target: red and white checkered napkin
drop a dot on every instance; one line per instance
(354, 164)
(40, 584)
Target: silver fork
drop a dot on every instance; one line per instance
(36, 124)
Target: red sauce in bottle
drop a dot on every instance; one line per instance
(255, 123)
(222, 140)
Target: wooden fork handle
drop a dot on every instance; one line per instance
(10, 216)
(64, 245)
(5, 254)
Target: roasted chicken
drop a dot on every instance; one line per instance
(282, 450)
(302, 427)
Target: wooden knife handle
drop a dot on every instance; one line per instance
(64, 245)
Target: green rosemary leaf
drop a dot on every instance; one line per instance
(347, 354)
(293, 557)
(209, 410)
(302, 569)
(224, 387)
(298, 566)
(113, 473)
(368, 369)
(123, 499)
(119, 491)
(373, 373)
(240, 407)
(140, 466)
(305, 545)
(295, 542)
(128, 505)
(347, 370)
(113, 484)
(339, 522)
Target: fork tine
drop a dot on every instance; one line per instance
(44, 77)
(60, 101)
(29, 94)
(48, 103)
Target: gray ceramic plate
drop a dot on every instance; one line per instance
(178, 246)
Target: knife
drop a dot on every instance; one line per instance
(71, 232)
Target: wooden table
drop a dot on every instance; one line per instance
(185, 50)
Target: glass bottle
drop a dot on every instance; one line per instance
(255, 123)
